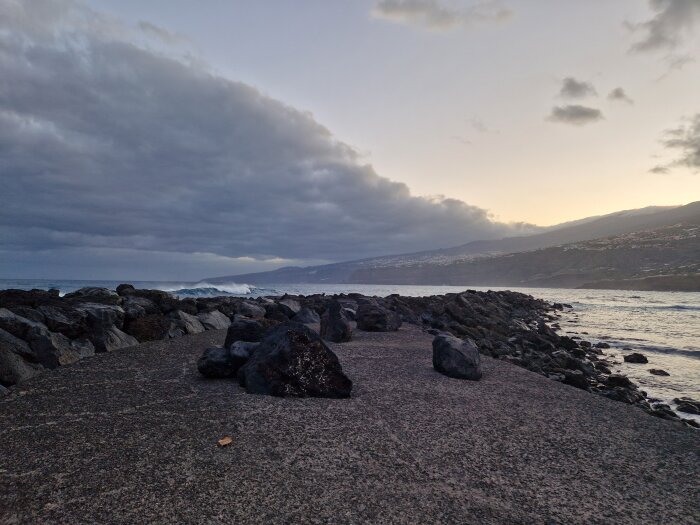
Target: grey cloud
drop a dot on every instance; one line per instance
(575, 115)
(439, 15)
(108, 145)
(572, 88)
(619, 95)
(673, 22)
(684, 142)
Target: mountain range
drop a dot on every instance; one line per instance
(656, 248)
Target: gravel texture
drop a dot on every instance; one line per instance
(131, 437)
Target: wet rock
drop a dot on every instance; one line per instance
(687, 405)
(602, 345)
(615, 380)
(251, 310)
(658, 372)
(250, 330)
(187, 322)
(374, 318)
(306, 316)
(335, 326)
(214, 320)
(292, 360)
(14, 366)
(456, 358)
(635, 357)
(576, 378)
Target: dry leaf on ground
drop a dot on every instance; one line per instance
(225, 441)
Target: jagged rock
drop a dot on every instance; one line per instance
(687, 405)
(575, 378)
(16, 324)
(95, 294)
(135, 307)
(111, 338)
(29, 313)
(251, 310)
(214, 320)
(189, 323)
(290, 307)
(374, 318)
(51, 349)
(151, 327)
(249, 330)
(635, 357)
(335, 326)
(67, 321)
(292, 360)
(14, 366)
(306, 316)
(658, 372)
(456, 358)
(615, 380)
(102, 316)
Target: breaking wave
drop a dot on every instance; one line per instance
(205, 289)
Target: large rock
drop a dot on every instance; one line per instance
(135, 307)
(252, 310)
(151, 327)
(52, 349)
(456, 358)
(306, 316)
(111, 338)
(189, 323)
(374, 318)
(289, 306)
(635, 357)
(95, 294)
(14, 367)
(16, 324)
(335, 326)
(250, 330)
(102, 315)
(214, 320)
(292, 360)
(64, 320)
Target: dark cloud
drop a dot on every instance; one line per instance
(105, 145)
(619, 95)
(684, 143)
(673, 22)
(575, 115)
(439, 15)
(572, 88)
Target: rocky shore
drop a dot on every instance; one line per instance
(40, 330)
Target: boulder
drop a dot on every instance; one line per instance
(335, 326)
(151, 327)
(214, 320)
(617, 380)
(374, 318)
(29, 313)
(241, 351)
(189, 323)
(306, 316)
(95, 294)
(102, 316)
(111, 338)
(16, 324)
(658, 372)
(249, 330)
(456, 358)
(135, 307)
(292, 360)
(217, 363)
(3, 391)
(51, 349)
(125, 289)
(252, 310)
(635, 357)
(14, 367)
(575, 378)
(64, 320)
(290, 307)
(687, 405)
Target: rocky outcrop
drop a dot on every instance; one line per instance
(214, 320)
(335, 326)
(636, 357)
(371, 317)
(457, 358)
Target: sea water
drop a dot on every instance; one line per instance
(664, 326)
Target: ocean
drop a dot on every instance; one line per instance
(664, 326)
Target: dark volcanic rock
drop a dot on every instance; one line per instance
(94, 294)
(635, 357)
(102, 315)
(456, 358)
(67, 321)
(3, 391)
(658, 372)
(14, 366)
(125, 289)
(217, 363)
(111, 338)
(335, 326)
(292, 360)
(374, 318)
(252, 310)
(687, 405)
(214, 320)
(306, 316)
(151, 327)
(290, 307)
(249, 330)
(187, 322)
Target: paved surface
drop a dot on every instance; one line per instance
(130, 437)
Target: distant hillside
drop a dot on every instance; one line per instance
(665, 258)
(381, 269)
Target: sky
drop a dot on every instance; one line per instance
(170, 139)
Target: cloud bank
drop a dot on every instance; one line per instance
(673, 22)
(684, 143)
(574, 115)
(439, 15)
(109, 145)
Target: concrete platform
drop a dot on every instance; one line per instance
(130, 437)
